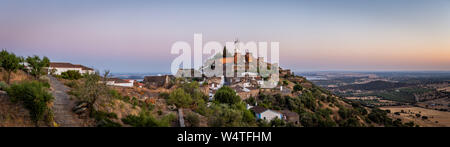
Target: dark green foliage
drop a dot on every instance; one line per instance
(104, 119)
(145, 119)
(418, 115)
(308, 119)
(164, 95)
(108, 123)
(351, 122)
(251, 100)
(37, 65)
(71, 84)
(346, 113)
(277, 123)
(409, 124)
(308, 100)
(224, 115)
(114, 94)
(275, 101)
(226, 95)
(35, 97)
(297, 87)
(71, 75)
(188, 96)
(380, 117)
(360, 109)
(180, 98)
(374, 85)
(3, 86)
(10, 63)
(402, 94)
(193, 119)
(99, 115)
(318, 119)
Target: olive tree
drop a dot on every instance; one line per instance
(10, 62)
(37, 65)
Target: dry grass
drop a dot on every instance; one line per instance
(13, 115)
(16, 77)
(442, 118)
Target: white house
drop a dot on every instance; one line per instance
(59, 67)
(266, 114)
(120, 82)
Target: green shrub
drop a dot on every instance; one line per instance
(297, 87)
(164, 95)
(35, 97)
(3, 85)
(145, 119)
(226, 95)
(115, 94)
(345, 113)
(104, 119)
(71, 75)
(108, 123)
(224, 115)
(193, 119)
(308, 100)
(277, 122)
(71, 84)
(380, 117)
(180, 98)
(351, 122)
(99, 115)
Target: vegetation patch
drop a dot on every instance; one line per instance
(35, 97)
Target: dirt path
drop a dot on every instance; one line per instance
(181, 117)
(62, 105)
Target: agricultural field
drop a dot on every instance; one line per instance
(420, 116)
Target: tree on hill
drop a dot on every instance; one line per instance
(92, 91)
(10, 62)
(298, 87)
(226, 95)
(180, 98)
(37, 65)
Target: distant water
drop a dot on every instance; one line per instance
(315, 78)
(135, 76)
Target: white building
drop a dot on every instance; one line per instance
(59, 67)
(266, 114)
(120, 82)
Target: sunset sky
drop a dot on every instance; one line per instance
(136, 36)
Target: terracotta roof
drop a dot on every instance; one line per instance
(61, 64)
(117, 80)
(258, 109)
(83, 67)
(68, 65)
(289, 113)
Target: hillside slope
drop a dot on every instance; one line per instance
(318, 107)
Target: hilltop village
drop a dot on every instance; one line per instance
(71, 94)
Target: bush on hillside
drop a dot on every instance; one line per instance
(180, 98)
(3, 85)
(145, 119)
(226, 95)
(193, 119)
(35, 97)
(71, 75)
